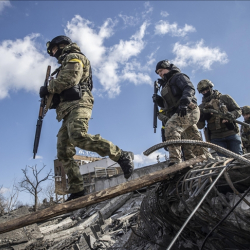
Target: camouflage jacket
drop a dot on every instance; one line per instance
(216, 128)
(245, 135)
(74, 69)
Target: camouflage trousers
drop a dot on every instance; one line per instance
(185, 127)
(73, 133)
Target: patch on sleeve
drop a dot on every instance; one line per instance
(75, 60)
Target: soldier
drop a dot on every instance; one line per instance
(179, 103)
(245, 132)
(72, 88)
(221, 132)
(189, 151)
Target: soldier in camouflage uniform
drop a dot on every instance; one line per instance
(245, 132)
(221, 132)
(179, 103)
(73, 101)
(189, 151)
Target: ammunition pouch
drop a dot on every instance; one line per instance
(230, 125)
(55, 101)
(72, 94)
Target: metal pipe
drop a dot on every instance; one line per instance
(200, 176)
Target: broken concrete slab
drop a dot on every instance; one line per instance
(21, 235)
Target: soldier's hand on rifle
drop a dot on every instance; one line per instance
(160, 82)
(182, 110)
(43, 91)
(224, 121)
(158, 100)
(155, 98)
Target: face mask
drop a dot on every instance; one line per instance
(58, 53)
(207, 94)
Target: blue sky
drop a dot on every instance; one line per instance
(123, 41)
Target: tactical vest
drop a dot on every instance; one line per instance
(215, 122)
(170, 101)
(75, 92)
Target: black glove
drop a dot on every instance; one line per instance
(43, 91)
(182, 110)
(161, 82)
(230, 125)
(155, 98)
(207, 116)
(158, 100)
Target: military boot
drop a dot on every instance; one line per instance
(126, 163)
(76, 195)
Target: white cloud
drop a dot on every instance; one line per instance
(129, 20)
(4, 4)
(107, 63)
(91, 42)
(38, 157)
(4, 190)
(142, 160)
(164, 27)
(136, 73)
(164, 13)
(22, 65)
(148, 9)
(198, 55)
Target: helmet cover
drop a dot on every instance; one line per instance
(203, 84)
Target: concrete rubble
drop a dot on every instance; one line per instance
(147, 219)
(95, 227)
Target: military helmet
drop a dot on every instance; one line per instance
(56, 41)
(203, 84)
(245, 110)
(164, 64)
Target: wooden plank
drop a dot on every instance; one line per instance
(96, 197)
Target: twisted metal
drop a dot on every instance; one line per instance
(199, 143)
(166, 208)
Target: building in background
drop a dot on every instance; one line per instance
(91, 168)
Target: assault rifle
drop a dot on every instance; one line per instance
(226, 116)
(155, 107)
(41, 115)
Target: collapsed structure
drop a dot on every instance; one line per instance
(151, 217)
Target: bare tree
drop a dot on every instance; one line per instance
(32, 185)
(2, 202)
(12, 198)
(49, 193)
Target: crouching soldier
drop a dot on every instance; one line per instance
(221, 132)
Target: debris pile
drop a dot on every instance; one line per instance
(150, 218)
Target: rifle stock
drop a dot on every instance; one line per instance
(40, 115)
